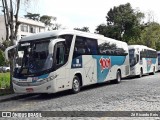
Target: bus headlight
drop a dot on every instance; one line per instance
(15, 81)
(50, 78)
(36, 83)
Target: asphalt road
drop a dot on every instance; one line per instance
(132, 94)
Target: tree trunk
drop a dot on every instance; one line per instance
(12, 43)
(11, 29)
(6, 18)
(16, 18)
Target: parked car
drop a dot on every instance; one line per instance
(4, 69)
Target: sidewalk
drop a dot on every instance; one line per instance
(14, 96)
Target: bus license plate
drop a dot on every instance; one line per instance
(29, 90)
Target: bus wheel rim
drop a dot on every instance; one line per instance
(76, 85)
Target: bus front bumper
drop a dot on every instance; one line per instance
(48, 87)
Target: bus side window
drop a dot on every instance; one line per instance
(137, 56)
(60, 55)
(92, 46)
(80, 47)
(141, 55)
(68, 41)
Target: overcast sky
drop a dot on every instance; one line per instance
(90, 13)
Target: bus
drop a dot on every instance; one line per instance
(61, 60)
(158, 53)
(143, 60)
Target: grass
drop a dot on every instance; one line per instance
(5, 80)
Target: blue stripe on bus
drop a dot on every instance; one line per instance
(103, 69)
(77, 62)
(43, 76)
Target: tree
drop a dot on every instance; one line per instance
(123, 23)
(84, 29)
(150, 36)
(49, 21)
(108, 31)
(11, 11)
(32, 16)
(2, 60)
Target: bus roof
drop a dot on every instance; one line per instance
(140, 46)
(50, 34)
(54, 33)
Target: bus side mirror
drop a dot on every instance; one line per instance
(8, 52)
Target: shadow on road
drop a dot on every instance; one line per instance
(135, 77)
(45, 96)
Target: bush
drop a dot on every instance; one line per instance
(2, 59)
(5, 80)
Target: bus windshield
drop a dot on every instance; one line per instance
(33, 57)
(133, 58)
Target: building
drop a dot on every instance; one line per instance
(27, 27)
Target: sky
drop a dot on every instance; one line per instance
(91, 13)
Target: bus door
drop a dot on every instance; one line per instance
(59, 61)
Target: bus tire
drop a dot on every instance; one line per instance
(141, 73)
(153, 73)
(118, 78)
(76, 85)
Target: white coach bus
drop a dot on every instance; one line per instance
(143, 60)
(158, 53)
(60, 60)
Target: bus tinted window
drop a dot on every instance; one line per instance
(60, 55)
(148, 54)
(110, 48)
(158, 58)
(68, 42)
(92, 46)
(85, 46)
(80, 46)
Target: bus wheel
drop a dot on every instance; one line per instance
(118, 79)
(153, 71)
(76, 84)
(141, 73)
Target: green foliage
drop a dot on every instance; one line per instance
(84, 29)
(123, 23)
(32, 16)
(2, 59)
(4, 80)
(47, 20)
(6, 43)
(151, 35)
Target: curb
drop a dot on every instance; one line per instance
(12, 97)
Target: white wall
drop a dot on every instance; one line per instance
(2, 28)
(20, 33)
